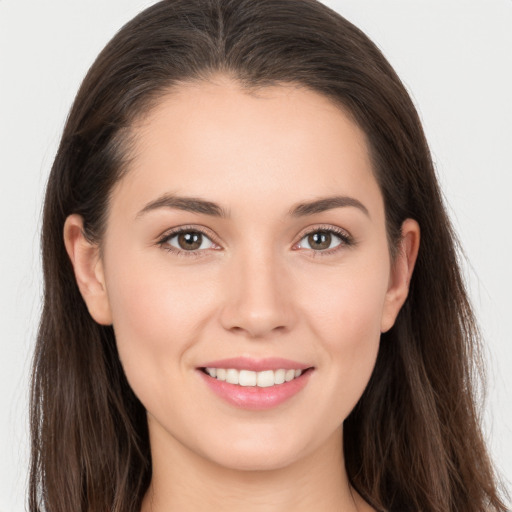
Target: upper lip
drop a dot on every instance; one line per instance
(256, 365)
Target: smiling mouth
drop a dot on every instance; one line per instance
(249, 378)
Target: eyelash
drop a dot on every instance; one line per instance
(345, 238)
(163, 241)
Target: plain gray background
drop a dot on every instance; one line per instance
(453, 55)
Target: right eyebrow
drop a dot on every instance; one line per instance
(327, 203)
(189, 204)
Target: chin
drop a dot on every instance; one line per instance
(260, 453)
(257, 460)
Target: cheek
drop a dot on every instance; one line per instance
(150, 298)
(349, 306)
(346, 318)
(157, 315)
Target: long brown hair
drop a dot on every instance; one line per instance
(413, 442)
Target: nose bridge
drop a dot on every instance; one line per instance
(258, 299)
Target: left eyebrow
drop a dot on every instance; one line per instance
(326, 203)
(189, 204)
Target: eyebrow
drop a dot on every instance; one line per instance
(189, 204)
(198, 205)
(326, 203)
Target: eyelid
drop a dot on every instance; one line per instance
(346, 238)
(171, 233)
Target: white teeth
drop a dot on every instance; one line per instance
(262, 379)
(247, 378)
(279, 376)
(232, 376)
(265, 379)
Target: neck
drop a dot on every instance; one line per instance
(184, 481)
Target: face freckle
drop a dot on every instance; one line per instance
(282, 166)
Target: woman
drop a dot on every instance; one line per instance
(252, 294)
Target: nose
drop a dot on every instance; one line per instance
(259, 298)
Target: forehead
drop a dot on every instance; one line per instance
(217, 139)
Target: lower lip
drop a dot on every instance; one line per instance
(254, 397)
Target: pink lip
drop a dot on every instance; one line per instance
(256, 365)
(254, 397)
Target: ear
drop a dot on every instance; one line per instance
(401, 273)
(88, 267)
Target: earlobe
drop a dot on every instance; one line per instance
(88, 268)
(401, 273)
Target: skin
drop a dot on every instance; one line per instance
(258, 289)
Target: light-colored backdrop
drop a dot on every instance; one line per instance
(455, 56)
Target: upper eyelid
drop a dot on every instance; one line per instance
(169, 233)
(163, 241)
(329, 228)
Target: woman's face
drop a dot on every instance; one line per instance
(248, 235)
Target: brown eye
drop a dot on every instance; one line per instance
(320, 240)
(188, 241)
(323, 239)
